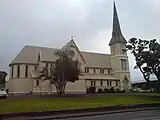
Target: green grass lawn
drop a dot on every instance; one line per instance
(46, 104)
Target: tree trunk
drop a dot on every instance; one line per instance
(157, 85)
(61, 89)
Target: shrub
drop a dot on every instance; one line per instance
(87, 90)
(106, 90)
(122, 91)
(118, 90)
(91, 90)
(112, 90)
(109, 90)
(100, 90)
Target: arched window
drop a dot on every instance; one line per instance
(12, 71)
(18, 70)
(37, 82)
(26, 71)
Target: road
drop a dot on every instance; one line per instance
(139, 115)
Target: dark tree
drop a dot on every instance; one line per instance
(2, 79)
(66, 70)
(147, 56)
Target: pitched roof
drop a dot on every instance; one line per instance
(29, 54)
(117, 36)
(97, 59)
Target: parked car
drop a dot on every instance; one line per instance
(3, 95)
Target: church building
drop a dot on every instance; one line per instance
(99, 70)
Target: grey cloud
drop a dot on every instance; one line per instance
(51, 23)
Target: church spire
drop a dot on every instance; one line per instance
(117, 36)
(116, 26)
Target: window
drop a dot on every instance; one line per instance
(26, 71)
(110, 82)
(12, 70)
(107, 83)
(47, 73)
(101, 83)
(123, 64)
(52, 66)
(47, 65)
(101, 70)
(94, 70)
(35, 67)
(113, 49)
(116, 83)
(87, 70)
(93, 83)
(18, 71)
(37, 82)
(109, 72)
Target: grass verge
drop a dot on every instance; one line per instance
(48, 104)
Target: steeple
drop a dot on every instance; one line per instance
(117, 36)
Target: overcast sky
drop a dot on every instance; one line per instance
(50, 23)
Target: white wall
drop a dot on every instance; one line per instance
(116, 64)
(77, 86)
(43, 86)
(20, 85)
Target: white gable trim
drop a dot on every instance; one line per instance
(39, 57)
(69, 44)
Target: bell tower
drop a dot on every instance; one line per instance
(119, 60)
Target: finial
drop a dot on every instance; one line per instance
(72, 38)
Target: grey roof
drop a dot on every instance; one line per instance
(97, 60)
(117, 36)
(29, 54)
(47, 54)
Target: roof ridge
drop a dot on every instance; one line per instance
(40, 47)
(95, 53)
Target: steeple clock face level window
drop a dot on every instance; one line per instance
(124, 64)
